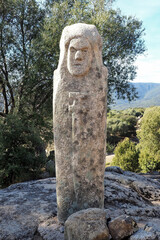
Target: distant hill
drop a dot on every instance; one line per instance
(149, 95)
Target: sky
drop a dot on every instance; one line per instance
(148, 11)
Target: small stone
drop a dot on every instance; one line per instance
(122, 227)
(143, 235)
(61, 229)
(89, 224)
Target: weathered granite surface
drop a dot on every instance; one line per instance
(79, 120)
(28, 210)
(143, 235)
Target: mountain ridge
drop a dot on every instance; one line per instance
(148, 95)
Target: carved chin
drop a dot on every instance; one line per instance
(78, 70)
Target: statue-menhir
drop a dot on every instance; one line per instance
(79, 108)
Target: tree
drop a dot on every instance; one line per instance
(20, 23)
(30, 49)
(7, 99)
(122, 38)
(126, 156)
(23, 126)
(149, 137)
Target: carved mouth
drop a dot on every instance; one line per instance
(78, 64)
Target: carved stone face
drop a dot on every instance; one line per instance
(79, 56)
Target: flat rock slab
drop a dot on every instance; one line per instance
(28, 210)
(24, 206)
(143, 235)
(51, 229)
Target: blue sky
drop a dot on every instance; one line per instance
(148, 11)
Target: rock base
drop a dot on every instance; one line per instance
(28, 211)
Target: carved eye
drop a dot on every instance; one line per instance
(72, 49)
(85, 50)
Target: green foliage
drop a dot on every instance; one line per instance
(120, 124)
(21, 151)
(22, 91)
(109, 148)
(20, 24)
(126, 156)
(149, 136)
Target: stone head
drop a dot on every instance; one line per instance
(79, 56)
(80, 49)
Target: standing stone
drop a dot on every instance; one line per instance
(79, 107)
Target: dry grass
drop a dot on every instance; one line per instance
(109, 160)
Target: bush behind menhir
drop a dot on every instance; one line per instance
(22, 152)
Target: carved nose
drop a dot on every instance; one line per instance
(78, 55)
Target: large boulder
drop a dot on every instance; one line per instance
(28, 210)
(89, 224)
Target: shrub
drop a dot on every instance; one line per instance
(126, 156)
(109, 148)
(21, 151)
(149, 137)
(120, 124)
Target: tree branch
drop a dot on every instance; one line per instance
(3, 114)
